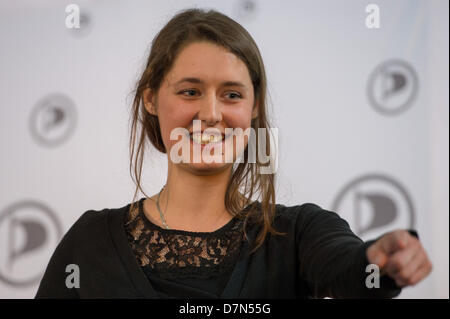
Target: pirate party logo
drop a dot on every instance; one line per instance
(375, 204)
(78, 21)
(392, 87)
(245, 10)
(29, 233)
(53, 120)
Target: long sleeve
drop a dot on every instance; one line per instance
(333, 259)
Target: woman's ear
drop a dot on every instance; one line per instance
(149, 101)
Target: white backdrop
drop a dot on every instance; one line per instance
(362, 115)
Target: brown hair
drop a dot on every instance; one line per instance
(199, 25)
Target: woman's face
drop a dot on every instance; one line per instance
(212, 85)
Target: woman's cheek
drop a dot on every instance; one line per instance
(239, 115)
(172, 118)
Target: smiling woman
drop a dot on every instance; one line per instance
(214, 230)
(204, 66)
(214, 100)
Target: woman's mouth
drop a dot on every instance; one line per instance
(205, 139)
(209, 140)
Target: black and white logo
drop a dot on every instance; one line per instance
(29, 233)
(392, 87)
(53, 119)
(245, 10)
(86, 25)
(373, 205)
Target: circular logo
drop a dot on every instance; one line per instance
(392, 87)
(373, 205)
(53, 119)
(29, 233)
(85, 26)
(245, 10)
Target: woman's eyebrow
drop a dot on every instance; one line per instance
(198, 81)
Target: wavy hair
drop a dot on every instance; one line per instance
(246, 181)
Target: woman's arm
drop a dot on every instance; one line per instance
(333, 259)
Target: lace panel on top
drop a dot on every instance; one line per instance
(171, 253)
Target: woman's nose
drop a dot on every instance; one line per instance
(210, 110)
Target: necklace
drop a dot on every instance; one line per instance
(163, 220)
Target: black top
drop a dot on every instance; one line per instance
(182, 264)
(318, 257)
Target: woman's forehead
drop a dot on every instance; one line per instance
(208, 62)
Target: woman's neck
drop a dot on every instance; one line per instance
(195, 202)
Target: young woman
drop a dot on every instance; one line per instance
(204, 235)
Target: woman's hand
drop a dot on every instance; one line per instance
(401, 256)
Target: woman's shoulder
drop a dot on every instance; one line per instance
(93, 223)
(287, 210)
(304, 215)
(99, 215)
(295, 211)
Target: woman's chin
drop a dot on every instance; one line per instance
(204, 168)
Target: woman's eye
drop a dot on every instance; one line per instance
(188, 92)
(234, 95)
(192, 93)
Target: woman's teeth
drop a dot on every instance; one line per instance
(206, 139)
